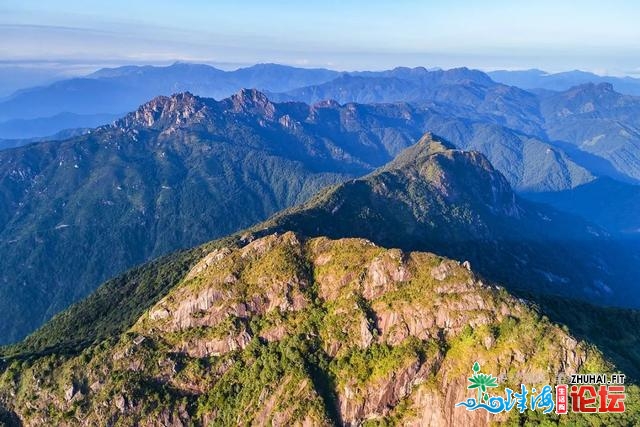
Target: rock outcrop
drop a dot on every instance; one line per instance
(287, 331)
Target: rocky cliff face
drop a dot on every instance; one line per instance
(288, 331)
(166, 113)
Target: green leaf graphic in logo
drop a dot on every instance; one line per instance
(481, 382)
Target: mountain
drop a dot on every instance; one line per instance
(609, 203)
(118, 90)
(114, 91)
(58, 136)
(467, 108)
(454, 203)
(503, 122)
(599, 121)
(16, 77)
(466, 93)
(538, 79)
(431, 197)
(285, 329)
(590, 125)
(529, 164)
(542, 141)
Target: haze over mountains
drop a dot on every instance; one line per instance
(114, 92)
(508, 114)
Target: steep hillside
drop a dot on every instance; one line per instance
(439, 199)
(288, 331)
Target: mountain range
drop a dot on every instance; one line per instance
(436, 198)
(542, 140)
(591, 124)
(183, 169)
(177, 172)
(610, 204)
(601, 121)
(309, 255)
(111, 92)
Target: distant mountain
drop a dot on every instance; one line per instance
(528, 163)
(597, 120)
(114, 91)
(12, 143)
(518, 130)
(609, 203)
(58, 136)
(118, 90)
(15, 77)
(538, 79)
(464, 92)
(469, 109)
(589, 125)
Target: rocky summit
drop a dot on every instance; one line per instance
(291, 331)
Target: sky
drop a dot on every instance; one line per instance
(79, 36)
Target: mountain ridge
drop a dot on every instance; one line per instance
(455, 204)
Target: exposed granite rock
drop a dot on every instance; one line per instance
(288, 332)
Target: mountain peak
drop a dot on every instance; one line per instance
(252, 100)
(418, 153)
(431, 193)
(464, 74)
(165, 111)
(455, 174)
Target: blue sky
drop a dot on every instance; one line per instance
(553, 35)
